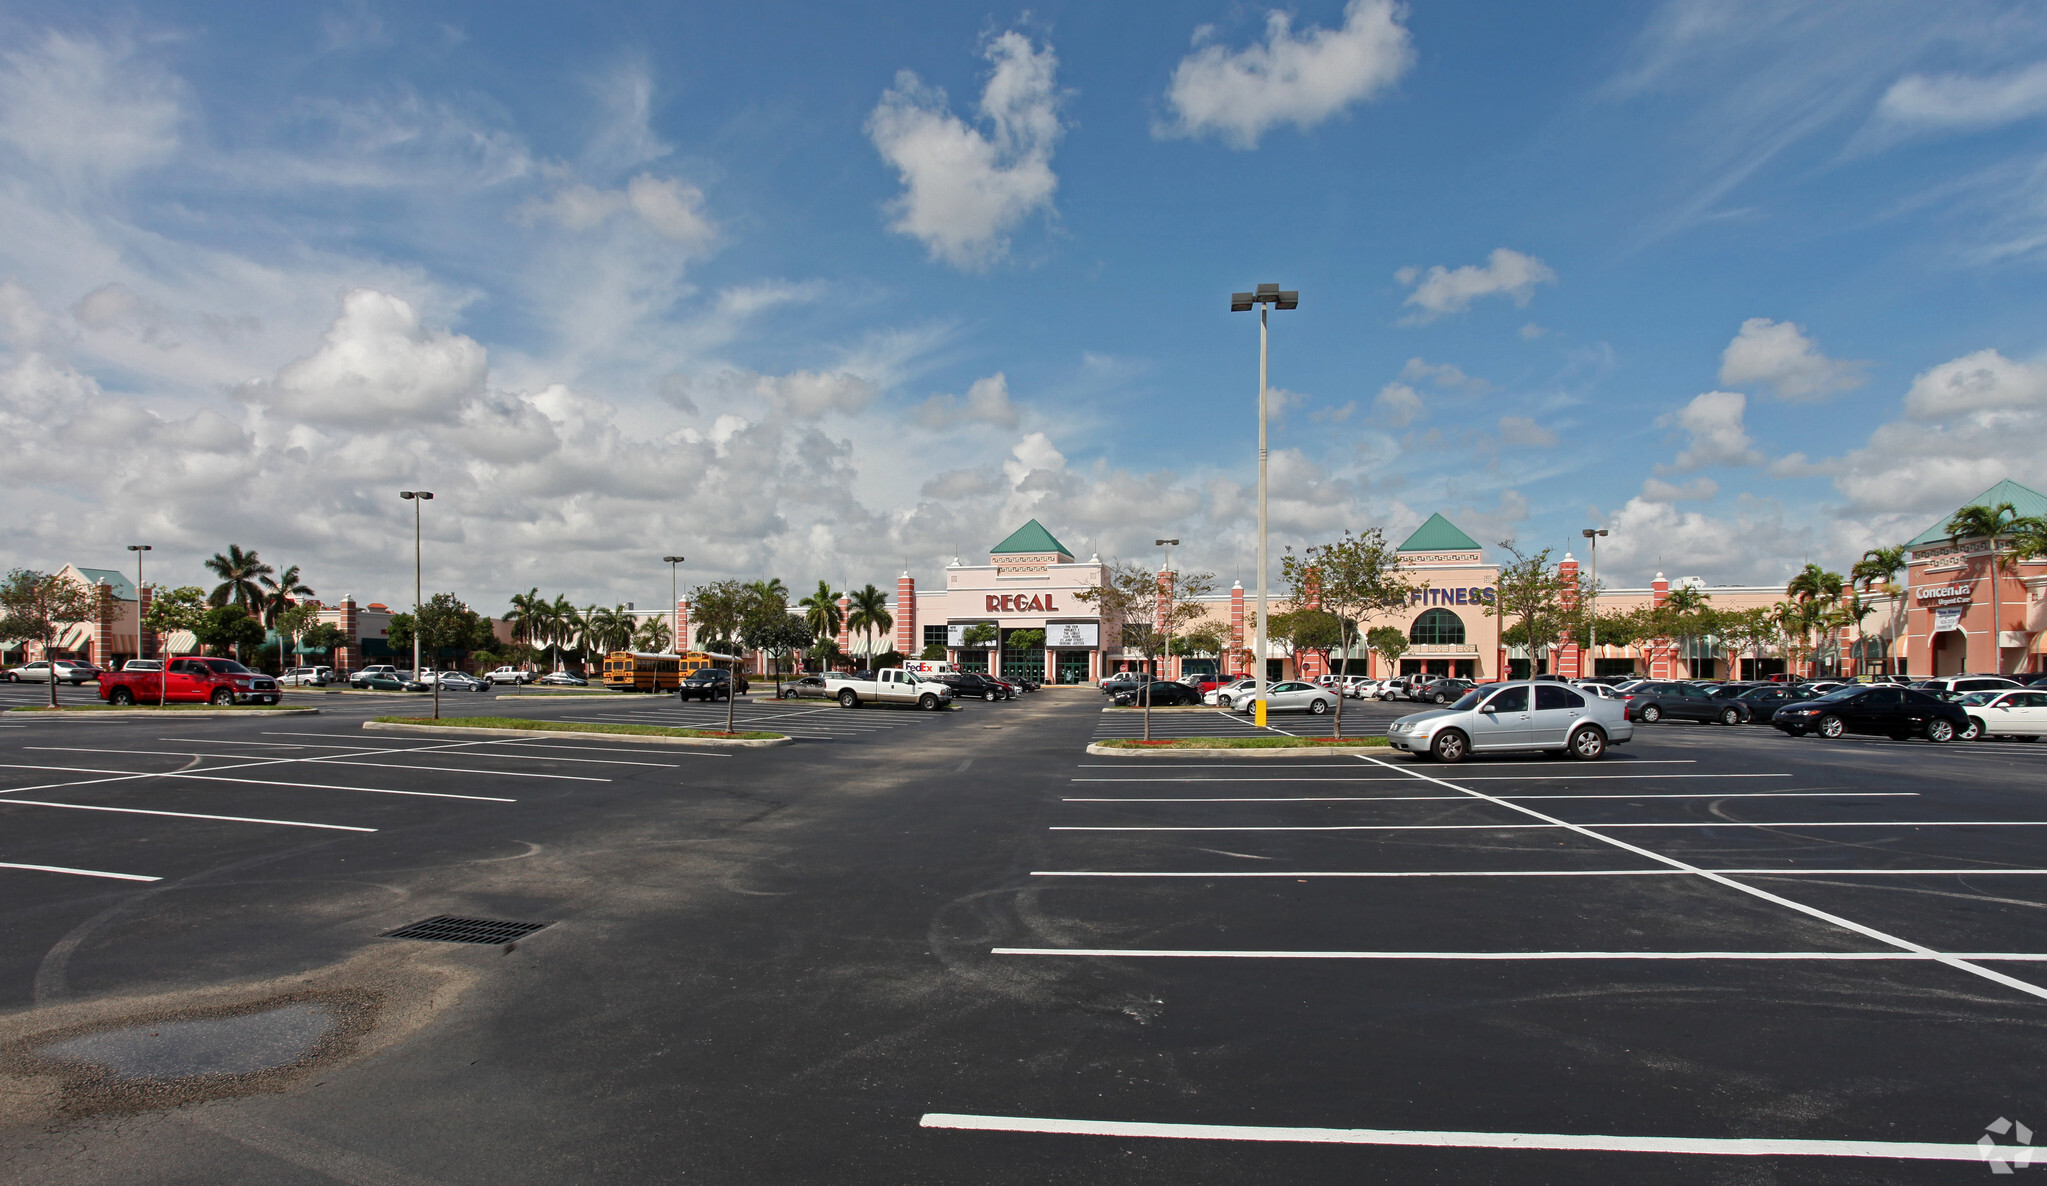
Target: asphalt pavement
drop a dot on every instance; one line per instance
(953, 947)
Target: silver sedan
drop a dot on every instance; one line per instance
(1522, 715)
(1293, 696)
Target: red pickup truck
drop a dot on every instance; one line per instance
(210, 681)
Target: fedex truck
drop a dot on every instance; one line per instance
(929, 667)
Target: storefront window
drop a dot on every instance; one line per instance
(1437, 627)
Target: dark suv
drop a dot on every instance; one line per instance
(974, 685)
(709, 683)
(1653, 700)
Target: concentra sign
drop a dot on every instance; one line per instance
(1935, 596)
(1021, 603)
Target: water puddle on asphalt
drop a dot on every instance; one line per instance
(241, 1044)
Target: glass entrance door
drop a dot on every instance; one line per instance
(1072, 667)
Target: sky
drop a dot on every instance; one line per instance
(828, 291)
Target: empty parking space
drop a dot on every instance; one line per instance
(805, 720)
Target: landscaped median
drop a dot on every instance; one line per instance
(1235, 747)
(140, 709)
(518, 727)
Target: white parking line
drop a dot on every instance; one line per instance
(233, 819)
(78, 872)
(374, 749)
(1480, 778)
(1959, 963)
(1574, 1142)
(1460, 798)
(1304, 875)
(187, 775)
(1979, 823)
(332, 759)
(1153, 764)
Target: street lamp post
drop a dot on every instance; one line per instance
(1167, 660)
(162, 676)
(1242, 302)
(1592, 619)
(674, 603)
(415, 497)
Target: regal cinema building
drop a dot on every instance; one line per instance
(1954, 612)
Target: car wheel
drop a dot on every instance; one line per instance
(1650, 714)
(1587, 744)
(1831, 727)
(928, 702)
(1730, 716)
(1318, 707)
(121, 696)
(1449, 746)
(988, 696)
(1973, 731)
(848, 698)
(1940, 729)
(221, 698)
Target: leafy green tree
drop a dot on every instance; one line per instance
(1390, 642)
(777, 636)
(1137, 601)
(1352, 579)
(323, 636)
(171, 610)
(1750, 631)
(1532, 594)
(933, 651)
(38, 606)
(291, 622)
(238, 572)
(888, 658)
(226, 629)
(720, 611)
(981, 634)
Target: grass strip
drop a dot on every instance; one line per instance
(1242, 743)
(524, 725)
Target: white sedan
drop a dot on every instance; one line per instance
(1293, 696)
(1224, 695)
(2005, 714)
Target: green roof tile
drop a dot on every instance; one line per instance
(124, 589)
(1439, 535)
(1031, 537)
(2026, 501)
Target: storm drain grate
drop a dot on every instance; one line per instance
(446, 928)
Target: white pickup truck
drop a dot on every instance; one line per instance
(890, 685)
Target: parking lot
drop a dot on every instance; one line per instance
(1719, 955)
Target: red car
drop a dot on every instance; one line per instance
(206, 681)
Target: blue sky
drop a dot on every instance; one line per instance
(818, 291)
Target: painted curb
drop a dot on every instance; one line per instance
(1103, 751)
(180, 713)
(1112, 707)
(572, 734)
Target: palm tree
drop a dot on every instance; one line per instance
(563, 624)
(769, 589)
(821, 611)
(1991, 523)
(1813, 589)
(527, 617)
(1878, 566)
(652, 636)
(869, 614)
(237, 571)
(283, 593)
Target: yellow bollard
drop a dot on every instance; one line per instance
(1259, 714)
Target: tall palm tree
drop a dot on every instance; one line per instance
(652, 636)
(769, 589)
(868, 614)
(1814, 588)
(237, 571)
(1878, 567)
(527, 617)
(281, 594)
(821, 611)
(564, 623)
(1991, 523)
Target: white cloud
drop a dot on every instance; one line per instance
(1398, 404)
(987, 402)
(1298, 78)
(1964, 101)
(1718, 436)
(1697, 490)
(1440, 290)
(1752, 545)
(1978, 382)
(1445, 375)
(87, 110)
(964, 190)
(1531, 332)
(670, 208)
(1780, 355)
(1520, 430)
(376, 365)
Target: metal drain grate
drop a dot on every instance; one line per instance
(446, 928)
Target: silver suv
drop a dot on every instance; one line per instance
(1521, 715)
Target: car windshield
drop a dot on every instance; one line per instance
(228, 667)
(1469, 700)
(1980, 698)
(1845, 692)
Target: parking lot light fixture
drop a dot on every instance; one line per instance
(415, 497)
(1592, 617)
(674, 605)
(140, 650)
(1266, 295)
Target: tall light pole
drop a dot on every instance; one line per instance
(1242, 302)
(1592, 619)
(1171, 584)
(415, 497)
(162, 676)
(674, 603)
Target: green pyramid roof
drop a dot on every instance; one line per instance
(1031, 537)
(1438, 535)
(124, 589)
(2025, 501)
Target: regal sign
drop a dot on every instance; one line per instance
(1937, 596)
(1021, 603)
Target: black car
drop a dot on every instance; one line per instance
(1734, 689)
(972, 685)
(1894, 712)
(1159, 693)
(1763, 700)
(1654, 700)
(709, 683)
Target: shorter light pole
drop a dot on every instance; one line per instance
(1592, 618)
(674, 603)
(140, 650)
(418, 602)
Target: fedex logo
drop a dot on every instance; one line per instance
(1019, 603)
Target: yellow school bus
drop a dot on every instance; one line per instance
(637, 671)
